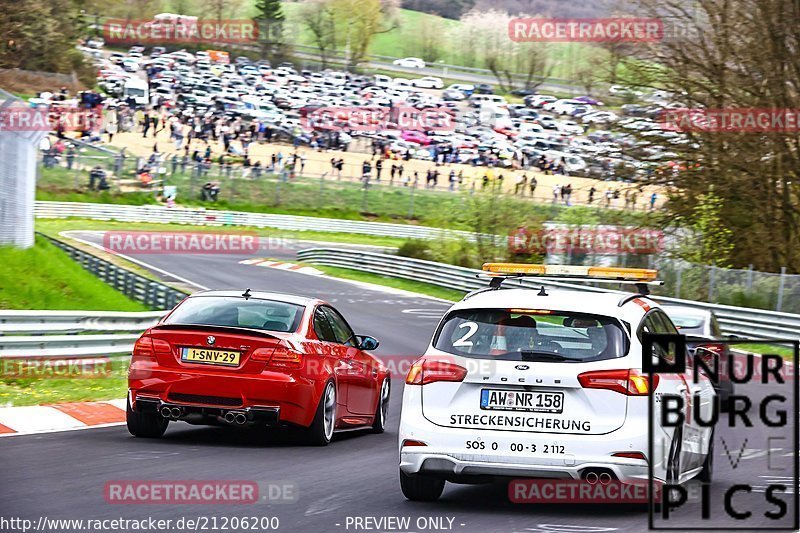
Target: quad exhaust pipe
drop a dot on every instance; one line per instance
(171, 412)
(235, 417)
(592, 477)
(231, 417)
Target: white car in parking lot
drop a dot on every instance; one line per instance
(547, 383)
(130, 65)
(409, 62)
(428, 82)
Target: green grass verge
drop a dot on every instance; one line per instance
(48, 390)
(784, 351)
(407, 285)
(44, 277)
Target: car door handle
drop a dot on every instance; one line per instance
(681, 388)
(696, 390)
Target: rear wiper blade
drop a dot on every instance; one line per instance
(534, 356)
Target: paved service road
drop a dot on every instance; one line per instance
(62, 475)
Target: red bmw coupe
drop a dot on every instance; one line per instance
(256, 359)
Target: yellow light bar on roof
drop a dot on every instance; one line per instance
(514, 268)
(572, 271)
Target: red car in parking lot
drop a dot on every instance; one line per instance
(256, 359)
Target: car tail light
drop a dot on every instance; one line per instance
(162, 347)
(285, 356)
(426, 371)
(262, 354)
(630, 455)
(718, 349)
(628, 382)
(409, 442)
(143, 348)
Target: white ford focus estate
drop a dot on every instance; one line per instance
(547, 383)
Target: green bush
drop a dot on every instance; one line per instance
(416, 248)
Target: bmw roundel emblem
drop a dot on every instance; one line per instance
(522, 367)
(211, 340)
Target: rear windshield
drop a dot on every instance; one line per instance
(531, 335)
(685, 321)
(228, 311)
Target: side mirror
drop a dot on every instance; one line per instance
(366, 343)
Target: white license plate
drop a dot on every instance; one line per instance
(534, 402)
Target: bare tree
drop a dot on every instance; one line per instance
(318, 17)
(733, 56)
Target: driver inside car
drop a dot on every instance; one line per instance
(515, 334)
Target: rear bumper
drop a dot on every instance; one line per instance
(272, 397)
(261, 416)
(447, 454)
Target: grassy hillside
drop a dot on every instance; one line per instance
(44, 277)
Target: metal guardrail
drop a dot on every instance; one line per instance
(69, 322)
(151, 293)
(210, 217)
(740, 321)
(52, 334)
(66, 346)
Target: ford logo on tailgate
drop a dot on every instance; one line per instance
(522, 367)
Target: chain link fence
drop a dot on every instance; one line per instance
(738, 287)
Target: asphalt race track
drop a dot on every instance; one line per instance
(62, 475)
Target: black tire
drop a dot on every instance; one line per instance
(382, 409)
(706, 475)
(320, 432)
(145, 425)
(421, 488)
(673, 464)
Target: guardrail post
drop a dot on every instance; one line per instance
(678, 279)
(781, 284)
(749, 278)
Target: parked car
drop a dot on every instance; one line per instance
(703, 333)
(409, 62)
(428, 82)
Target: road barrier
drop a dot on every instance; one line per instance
(151, 293)
(739, 321)
(70, 322)
(208, 217)
(66, 346)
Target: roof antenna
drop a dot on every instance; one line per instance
(246, 294)
(541, 292)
